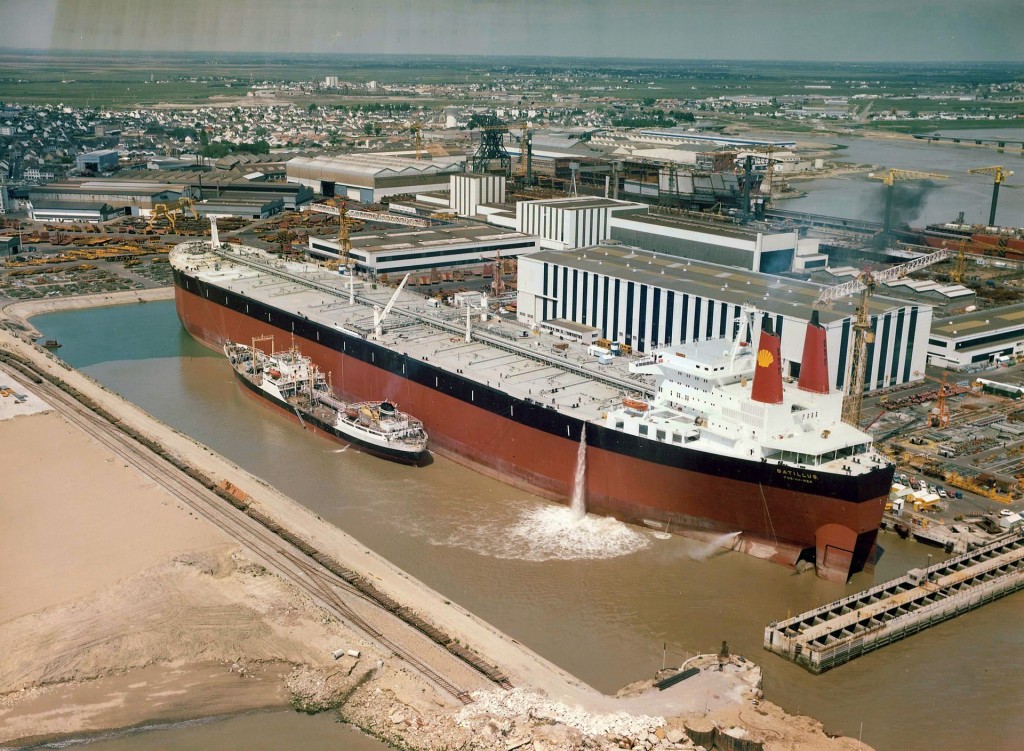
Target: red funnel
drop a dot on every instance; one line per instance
(814, 364)
(768, 374)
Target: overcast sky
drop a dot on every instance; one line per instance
(836, 30)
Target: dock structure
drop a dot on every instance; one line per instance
(836, 633)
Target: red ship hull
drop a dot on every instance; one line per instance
(781, 524)
(982, 245)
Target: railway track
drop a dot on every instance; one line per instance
(328, 590)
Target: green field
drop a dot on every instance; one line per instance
(126, 79)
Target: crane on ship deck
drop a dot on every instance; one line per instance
(863, 328)
(999, 177)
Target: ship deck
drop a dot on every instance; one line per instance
(501, 351)
(538, 367)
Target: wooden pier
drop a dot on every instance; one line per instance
(838, 632)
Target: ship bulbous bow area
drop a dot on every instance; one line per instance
(840, 552)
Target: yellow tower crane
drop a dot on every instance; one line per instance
(344, 242)
(960, 266)
(999, 174)
(890, 178)
(863, 327)
(417, 129)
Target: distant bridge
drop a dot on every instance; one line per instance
(999, 143)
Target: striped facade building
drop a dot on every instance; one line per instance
(646, 300)
(467, 191)
(572, 222)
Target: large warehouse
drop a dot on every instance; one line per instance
(646, 300)
(979, 338)
(398, 251)
(370, 177)
(730, 245)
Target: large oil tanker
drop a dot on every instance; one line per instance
(700, 439)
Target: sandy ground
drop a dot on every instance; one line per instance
(119, 605)
(125, 608)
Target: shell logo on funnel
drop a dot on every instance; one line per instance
(767, 387)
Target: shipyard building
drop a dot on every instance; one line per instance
(645, 300)
(407, 250)
(370, 177)
(979, 338)
(564, 223)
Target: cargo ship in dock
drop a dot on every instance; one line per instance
(290, 381)
(701, 439)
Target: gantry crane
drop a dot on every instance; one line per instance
(187, 204)
(866, 283)
(890, 178)
(999, 174)
(492, 147)
(161, 210)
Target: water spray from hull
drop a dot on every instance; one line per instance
(579, 486)
(722, 542)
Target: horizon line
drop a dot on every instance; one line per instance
(500, 56)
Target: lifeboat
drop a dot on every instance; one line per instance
(636, 404)
(274, 373)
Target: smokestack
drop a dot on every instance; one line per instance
(814, 364)
(767, 387)
(214, 237)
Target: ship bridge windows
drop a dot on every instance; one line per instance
(797, 457)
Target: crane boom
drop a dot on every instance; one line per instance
(379, 315)
(839, 291)
(866, 283)
(889, 178)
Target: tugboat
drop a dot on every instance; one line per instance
(291, 381)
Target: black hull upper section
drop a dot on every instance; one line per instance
(863, 488)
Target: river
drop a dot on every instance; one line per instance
(599, 599)
(919, 202)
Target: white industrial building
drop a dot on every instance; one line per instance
(564, 223)
(370, 177)
(68, 211)
(979, 338)
(646, 300)
(572, 222)
(399, 251)
(469, 190)
(730, 245)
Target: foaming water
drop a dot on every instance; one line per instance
(579, 485)
(717, 545)
(549, 533)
